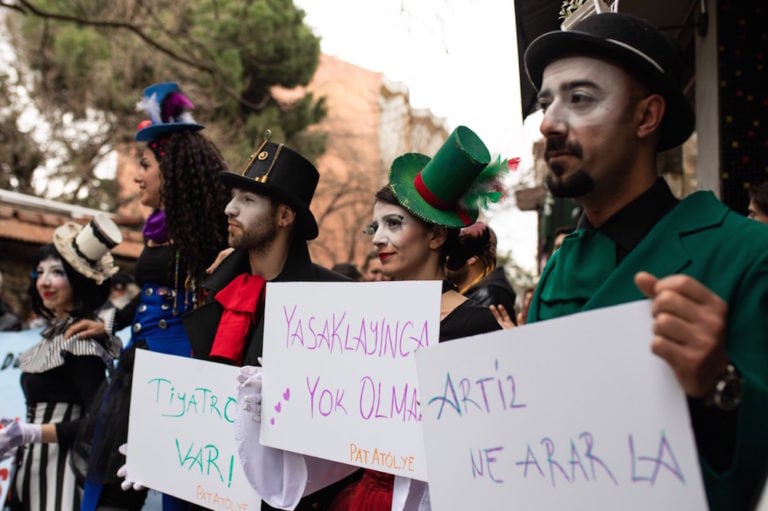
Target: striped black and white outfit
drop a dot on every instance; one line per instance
(59, 378)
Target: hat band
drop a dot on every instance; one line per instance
(436, 202)
(638, 52)
(464, 216)
(432, 199)
(103, 238)
(80, 254)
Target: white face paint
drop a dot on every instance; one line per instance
(251, 218)
(149, 179)
(588, 124)
(53, 286)
(401, 241)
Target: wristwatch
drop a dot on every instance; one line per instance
(726, 394)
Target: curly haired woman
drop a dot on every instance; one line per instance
(177, 178)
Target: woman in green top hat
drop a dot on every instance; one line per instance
(415, 230)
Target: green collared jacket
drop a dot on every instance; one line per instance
(728, 253)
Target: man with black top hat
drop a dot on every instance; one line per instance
(269, 225)
(611, 94)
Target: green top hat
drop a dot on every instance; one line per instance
(450, 188)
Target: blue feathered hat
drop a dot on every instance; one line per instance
(169, 111)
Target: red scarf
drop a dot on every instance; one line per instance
(239, 299)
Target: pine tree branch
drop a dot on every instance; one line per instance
(27, 7)
(119, 25)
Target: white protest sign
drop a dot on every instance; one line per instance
(12, 402)
(180, 432)
(339, 371)
(573, 413)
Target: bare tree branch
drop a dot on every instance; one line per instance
(12, 6)
(121, 25)
(27, 7)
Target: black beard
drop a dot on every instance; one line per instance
(575, 185)
(258, 239)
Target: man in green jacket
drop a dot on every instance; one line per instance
(611, 94)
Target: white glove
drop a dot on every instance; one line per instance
(249, 388)
(127, 484)
(14, 434)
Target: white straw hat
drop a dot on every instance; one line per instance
(86, 248)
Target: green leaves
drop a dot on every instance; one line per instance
(227, 55)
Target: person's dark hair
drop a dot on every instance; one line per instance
(759, 195)
(122, 278)
(87, 295)
(194, 199)
(478, 240)
(452, 253)
(348, 270)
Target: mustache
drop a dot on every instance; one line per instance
(560, 145)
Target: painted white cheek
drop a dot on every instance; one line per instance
(555, 114)
(381, 237)
(230, 209)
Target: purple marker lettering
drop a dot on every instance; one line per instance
(404, 353)
(657, 462)
(325, 393)
(530, 459)
(576, 461)
(336, 338)
(312, 390)
(311, 327)
(587, 437)
(482, 382)
(288, 323)
(553, 464)
(449, 398)
(388, 340)
(365, 381)
(466, 386)
(298, 333)
(423, 340)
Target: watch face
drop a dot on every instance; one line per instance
(728, 392)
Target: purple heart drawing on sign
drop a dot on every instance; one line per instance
(287, 394)
(278, 407)
(272, 421)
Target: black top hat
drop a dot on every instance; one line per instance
(279, 172)
(635, 45)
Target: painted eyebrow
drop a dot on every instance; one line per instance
(242, 193)
(52, 267)
(569, 86)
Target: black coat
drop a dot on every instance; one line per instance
(494, 289)
(201, 325)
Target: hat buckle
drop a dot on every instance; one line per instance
(585, 10)
(261, 155)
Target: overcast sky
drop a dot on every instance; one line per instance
(458, 58)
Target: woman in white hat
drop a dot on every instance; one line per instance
(60, 374)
